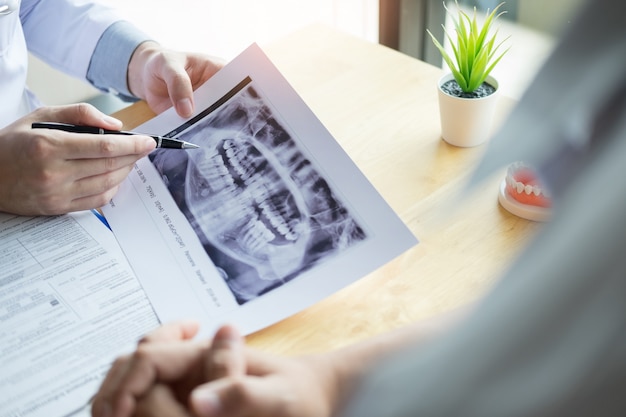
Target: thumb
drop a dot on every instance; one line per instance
(238, 397)
(84, 114)
(179, 89)
(225, 357)
(224, 363)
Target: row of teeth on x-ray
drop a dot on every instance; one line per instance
(238, 167)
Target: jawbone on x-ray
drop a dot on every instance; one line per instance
(260, 208)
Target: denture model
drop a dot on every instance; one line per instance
(522, 194)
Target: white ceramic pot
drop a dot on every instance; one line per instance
(466, 122)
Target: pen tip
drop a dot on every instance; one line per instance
(188, 145)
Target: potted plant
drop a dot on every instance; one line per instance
(468, 94)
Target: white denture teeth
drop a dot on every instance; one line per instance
(519, 186)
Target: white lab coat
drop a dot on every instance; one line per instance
(62, 33)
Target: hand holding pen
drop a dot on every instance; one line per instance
(46, 171)
(161, 142)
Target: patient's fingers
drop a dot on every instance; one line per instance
(133, 376)
(179, 330)
(225, 357)
(160, 401)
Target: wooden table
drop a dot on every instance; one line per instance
(381, 106)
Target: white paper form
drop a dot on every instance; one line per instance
(69, 304)
(266, 218)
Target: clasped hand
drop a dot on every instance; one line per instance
(171, 375)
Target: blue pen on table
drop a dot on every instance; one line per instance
(162, 142)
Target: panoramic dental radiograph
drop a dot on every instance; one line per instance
(261, 209)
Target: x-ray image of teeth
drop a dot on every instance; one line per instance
(262, 211)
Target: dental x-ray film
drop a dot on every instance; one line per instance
(268, 216)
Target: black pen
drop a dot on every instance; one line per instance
(161, 141)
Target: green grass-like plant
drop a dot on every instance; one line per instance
(474, 51)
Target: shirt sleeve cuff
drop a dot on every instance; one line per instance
(109, 63)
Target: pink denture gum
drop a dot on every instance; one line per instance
(522, 194)
(523, 185)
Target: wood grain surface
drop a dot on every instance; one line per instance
(381, 106)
